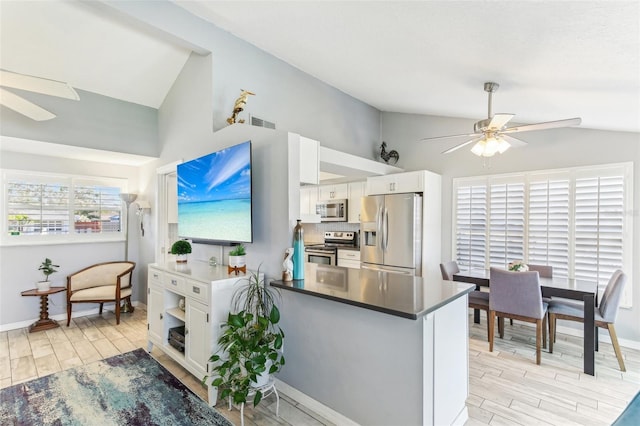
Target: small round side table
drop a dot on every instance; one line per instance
(44, 323)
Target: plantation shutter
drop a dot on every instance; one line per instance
(548, 226)
(471, 224)
(97, 208)
(35, 207)
(506, 223)
(599, 227)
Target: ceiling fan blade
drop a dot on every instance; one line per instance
(23, 106)
(463, 144)
(38, 85)
(498, 121)
(513, 141)
(468, 135)
(543, 126)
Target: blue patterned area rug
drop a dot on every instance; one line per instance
(127, 389)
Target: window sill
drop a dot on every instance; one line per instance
(38, 241)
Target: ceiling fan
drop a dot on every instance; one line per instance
(491, 135)
(32, 84)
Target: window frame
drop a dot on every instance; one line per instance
(572, 174)
(72, 180)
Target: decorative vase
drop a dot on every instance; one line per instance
(181, 258)
(43, 285)
(237, 261)
(298, 251)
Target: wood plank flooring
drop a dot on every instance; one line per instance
(506, 386)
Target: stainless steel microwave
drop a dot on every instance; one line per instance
(332, 210)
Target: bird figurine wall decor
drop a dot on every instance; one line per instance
(390, 157)
(239, 106)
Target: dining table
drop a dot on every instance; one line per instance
(567, 288)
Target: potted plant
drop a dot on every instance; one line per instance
(181, 248)
(47, 267)
(250, 347)
(237, 256)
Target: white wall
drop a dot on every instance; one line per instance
(549, 149)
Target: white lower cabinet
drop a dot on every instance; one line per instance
(197, 297)
(349, 258)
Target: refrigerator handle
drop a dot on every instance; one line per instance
(385, 229)
(379, 225)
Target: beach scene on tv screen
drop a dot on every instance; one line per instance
(214, 195)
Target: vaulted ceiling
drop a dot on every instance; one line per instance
(553, 59)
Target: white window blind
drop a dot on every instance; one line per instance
(506, 223)
(599, 227)
(471, 212)
(41, 207)
(577, 220)
(548, 235)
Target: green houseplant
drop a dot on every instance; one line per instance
(237, 256)
(181, 248)
(250, 347)
(47, 267)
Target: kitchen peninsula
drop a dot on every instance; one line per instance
(379, 348)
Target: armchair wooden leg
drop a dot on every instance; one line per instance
(538, 341)
(616, 346)
(117, 311)
(101, 308)
(491, 325)
(68, 313)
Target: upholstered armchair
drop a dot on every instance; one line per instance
(100, 283)
(517, 295)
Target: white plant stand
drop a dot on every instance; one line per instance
(266, 390)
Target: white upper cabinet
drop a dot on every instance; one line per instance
(309, 161)
(308, 199)
(396, 183)
(356, 192)
(333, 192)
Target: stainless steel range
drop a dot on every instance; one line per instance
(326, 253)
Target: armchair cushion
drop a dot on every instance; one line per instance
(105, 292)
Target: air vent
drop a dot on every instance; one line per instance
(255, 121)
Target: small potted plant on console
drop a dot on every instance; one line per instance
(181, 248)
(47, 267)
(250, 345)
(237, 256)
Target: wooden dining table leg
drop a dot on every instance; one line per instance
(589, 335)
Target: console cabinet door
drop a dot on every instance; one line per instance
(197, 334)
(155, 314)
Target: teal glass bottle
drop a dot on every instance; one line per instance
(298, 251)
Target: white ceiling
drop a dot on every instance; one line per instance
(553, 59)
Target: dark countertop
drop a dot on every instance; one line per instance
(391, 293)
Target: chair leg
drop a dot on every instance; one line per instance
(538, 341)
(491, 325)
(510, 321)
(544, 332)
(616, 346)
(117, 311)
(501, 327)
(101, 308)
(552, 331)
(488, 331)
(68, 313)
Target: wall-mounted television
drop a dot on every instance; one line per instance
(214, 197)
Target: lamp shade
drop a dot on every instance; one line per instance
(128, 198)
(489, 146)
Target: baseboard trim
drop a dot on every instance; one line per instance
(63, 316)
(318, 407)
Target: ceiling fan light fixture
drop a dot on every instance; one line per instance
(489, 146)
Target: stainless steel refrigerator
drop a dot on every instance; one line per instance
(391, 233)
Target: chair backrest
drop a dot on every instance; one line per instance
(545, 271)
(448, 269)
(101, 274)
(516, 293)
(612, 296)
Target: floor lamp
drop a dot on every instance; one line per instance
(126, 307)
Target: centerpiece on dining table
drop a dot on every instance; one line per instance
(518, 266)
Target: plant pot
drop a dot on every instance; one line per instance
(237, 261)
(43, 285)
(181, 258)
(263, 378)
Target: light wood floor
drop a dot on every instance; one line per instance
(506, 386)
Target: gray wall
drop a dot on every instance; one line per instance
(549, 149)
(95, 121)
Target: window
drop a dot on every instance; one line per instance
(575, 220)
(48, 207)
